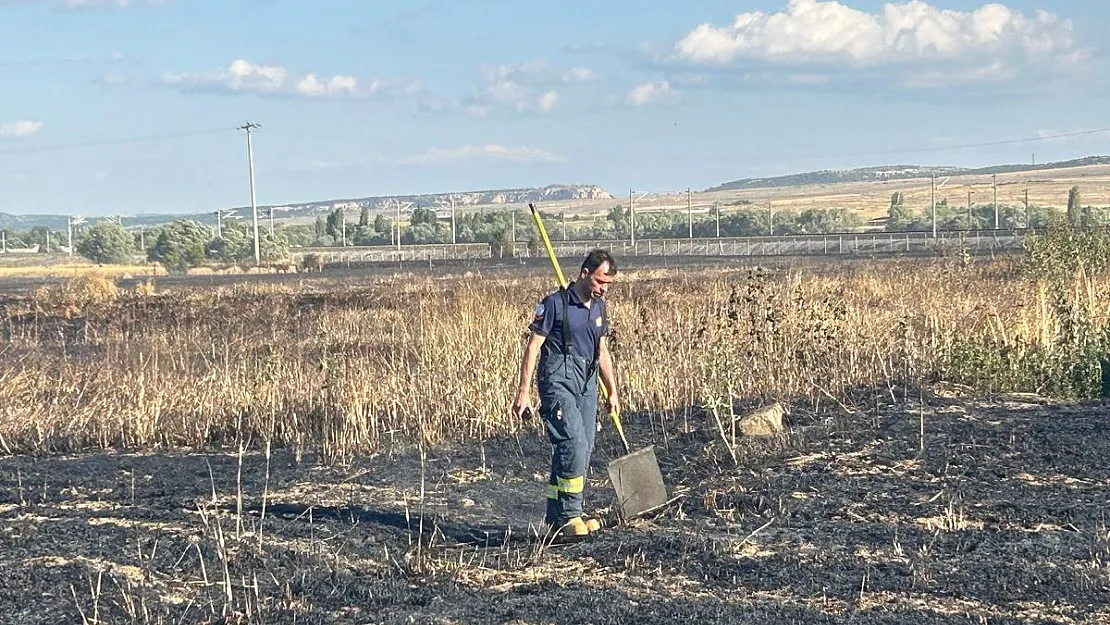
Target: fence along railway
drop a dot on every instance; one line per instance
(916, 243)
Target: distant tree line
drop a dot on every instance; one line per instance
(981, 216)
(188, 243)
(177, 245)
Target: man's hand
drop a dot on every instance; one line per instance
(522, 405)
(613, 404)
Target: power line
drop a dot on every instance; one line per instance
(848, 155)
(985, 144)
(98, 144)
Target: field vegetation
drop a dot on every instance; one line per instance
(344, 451)
(350, 368)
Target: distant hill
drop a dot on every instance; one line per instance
(550, 193)
(894, 172)
(26, 222)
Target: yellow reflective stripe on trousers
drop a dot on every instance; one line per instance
(572, 486)
(552, 491)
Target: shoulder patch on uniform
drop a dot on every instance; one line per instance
(540, 310)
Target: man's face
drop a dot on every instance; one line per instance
(599, 280)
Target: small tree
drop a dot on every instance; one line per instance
(364, 217)
(422, 215)
(381, 224)
(181, 245)
(1074, 208)
(334, 225)
(108, 243)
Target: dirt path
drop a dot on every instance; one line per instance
(1002, 519)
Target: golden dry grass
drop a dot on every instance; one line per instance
(351, 369)
(42, 269)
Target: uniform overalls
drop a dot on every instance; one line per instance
(567, 380)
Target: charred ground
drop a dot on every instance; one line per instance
(943, 509)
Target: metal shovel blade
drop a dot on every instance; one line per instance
(638, 481)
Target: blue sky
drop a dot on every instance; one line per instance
(130, 106)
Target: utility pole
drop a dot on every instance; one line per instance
(397, 205)
(717, 206)
(933, 201)
(1027, 224)
(71, 221)
(690, 211)
(4, 240)
(564, 225)
(995, 178)
(249, 126)
(632, 217)
(343, 226)
(219, 225)
(272, 222)
(453, 240)
(969, 209)
(770, 219)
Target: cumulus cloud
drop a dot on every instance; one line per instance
(548, 101)
(650, 92)
(19, 130)
(989, 42)
(489, 152)
(579, 74)
(243, 76)
(531, 87)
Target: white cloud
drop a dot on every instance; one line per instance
(310, 85)
(820, 31)
(527, 88)
(578, 74)
(245, 77)
(548, 101)
(491, 151)
(525, 72)
(987, 43)
(19, 130)
(650, 92)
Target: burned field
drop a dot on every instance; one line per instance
(343, 452)
(992, 512)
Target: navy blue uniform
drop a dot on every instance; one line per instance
(567, 380)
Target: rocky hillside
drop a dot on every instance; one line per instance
(550, 193)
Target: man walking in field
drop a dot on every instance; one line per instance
(569, 340)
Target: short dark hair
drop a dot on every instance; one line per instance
(597, 258)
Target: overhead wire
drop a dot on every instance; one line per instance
(113, 142)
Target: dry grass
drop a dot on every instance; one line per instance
(355, 369)
(869, 509)
(21, 267)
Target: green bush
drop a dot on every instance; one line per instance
(107, 242)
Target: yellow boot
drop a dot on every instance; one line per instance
(574, 529)
(593, 525)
